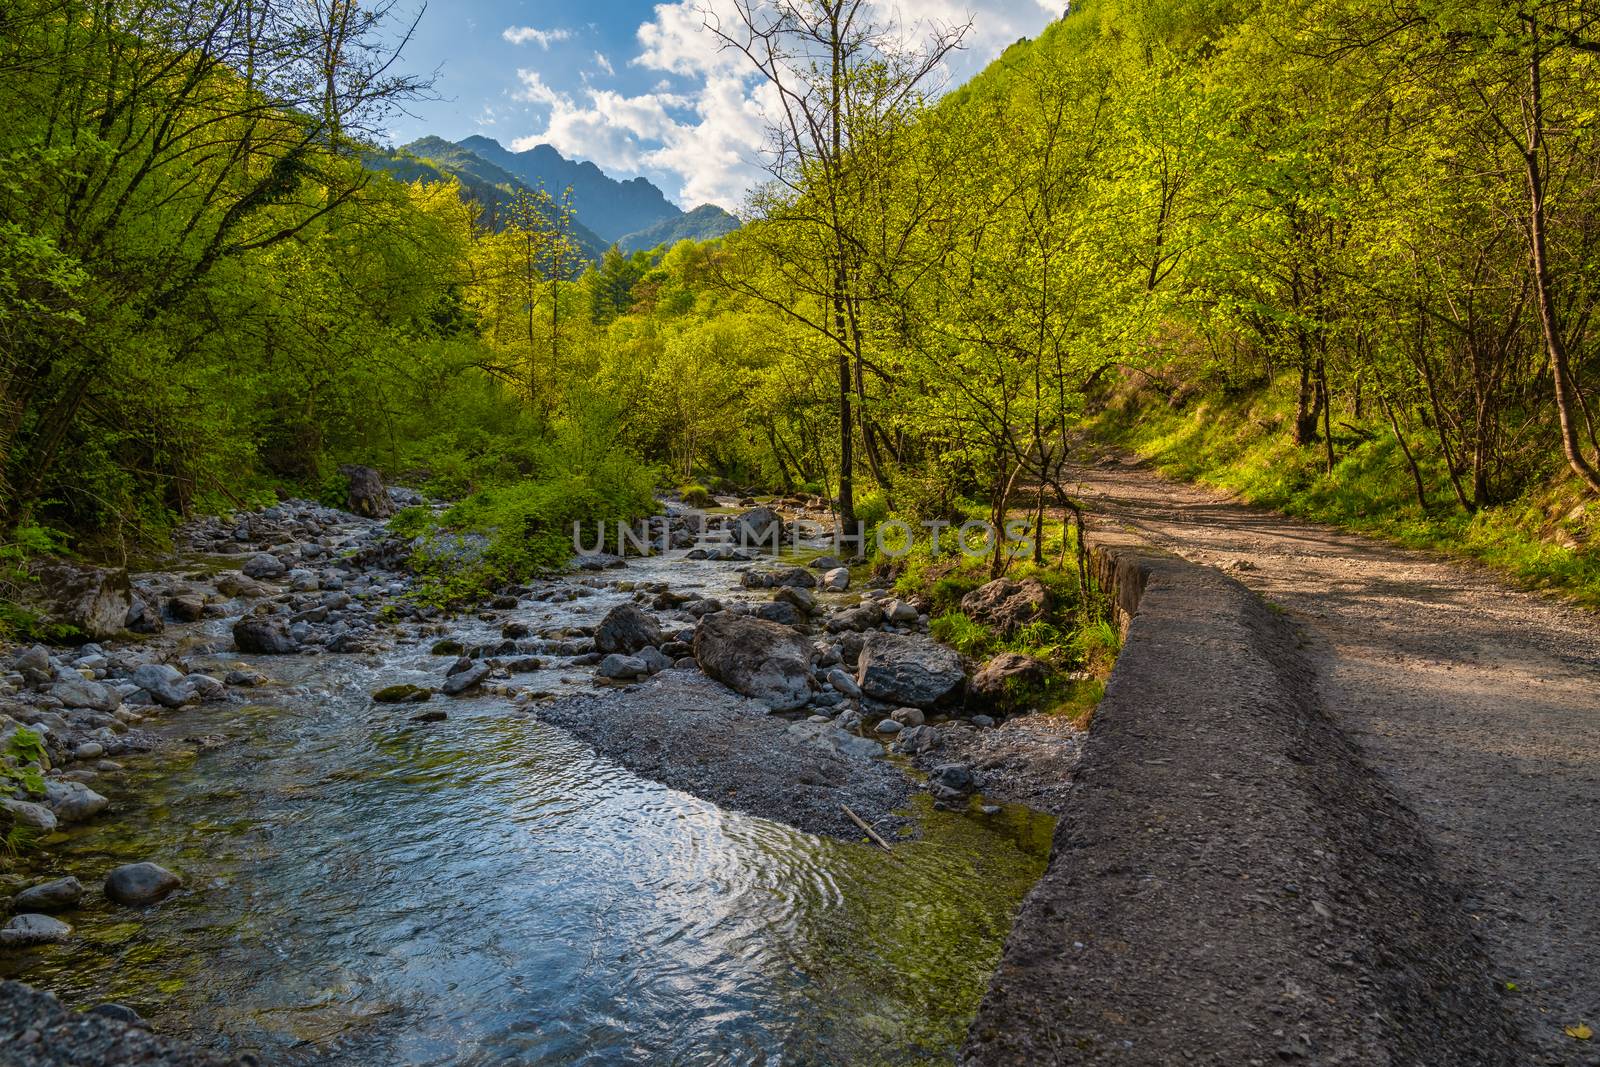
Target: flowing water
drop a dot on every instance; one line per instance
(487, 890)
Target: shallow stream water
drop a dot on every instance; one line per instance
(361, 889)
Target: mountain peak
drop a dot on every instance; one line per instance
(610, 207)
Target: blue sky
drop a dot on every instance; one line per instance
(637, 87)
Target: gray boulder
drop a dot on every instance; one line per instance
(264, 565)
(463, 680)
(760, 659)
(866, 616)
(835, 579)
(77, 692)
(266, 635)
(55, 895)
(138, 884)
(758, 528)
(626, 629)
(72, 801)
(829, 738)
(367, 495)
(618, 666)
(33, 930)
(908, 669)
(163, 682)
(27, 813)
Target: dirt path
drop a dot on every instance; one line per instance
(1480, 703)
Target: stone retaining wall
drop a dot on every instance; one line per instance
(1232, 884)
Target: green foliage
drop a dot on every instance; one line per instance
(962, 634)
(696, 496)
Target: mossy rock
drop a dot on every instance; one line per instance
(448, 647)
(402, 694)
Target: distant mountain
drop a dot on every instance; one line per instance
(702, 224)
(611, 208)
(435, 159)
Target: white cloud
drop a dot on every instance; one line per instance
(706, 139)
(542, 38)
(603, 63)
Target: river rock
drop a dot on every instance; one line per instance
(263, 565)
(34, 663)
(835, 579)
(908, 669)
(825, 563)
(33, 930)
(72, 801)
(800, 598)
(138, 884)
(866, 616)
(889, 726)
(758, 528)
(760, 659)
(367, 496)
(781, 612)
(56, 895)
(914, 739)
(908, 716)
(618, 666)
(186, 608)
(82, 693)
(842, 682)
(466, 679)
(402, 694)
(27, 813)
(163, 682)
(626, 629)
(142, 618)
(265, 635)
(829, 738)
(952, 781)
(92, 600)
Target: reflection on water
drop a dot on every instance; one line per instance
(487, 890)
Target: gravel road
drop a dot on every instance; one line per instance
(1479, 703)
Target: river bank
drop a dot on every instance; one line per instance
(289, 742)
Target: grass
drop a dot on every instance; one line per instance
(1242, 445)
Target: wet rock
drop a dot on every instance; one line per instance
(915, 739)
(33, 930)
(264, 635)
(898, 611)
(233, 584)
(525, 665)
(598, 561)
(27, 813)
(402, 694)
(246, 679)
(463, 680)
(889, 726)
(89, 750)
(618, 666)
(952, 781)
(626, 629)
(142, 618)
(825, 563)
(794, 577)
(431, 715)
(1005, 605)
(829, 738)
(187, 608)
(72, 801)
(655, 659)
(263, 565)
(448, 647)
(56, 895)
(835, 580)
(121, 1013)
(163, 682)
(908, 669)
(760, 659)
(759, 527)
(138, 884)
